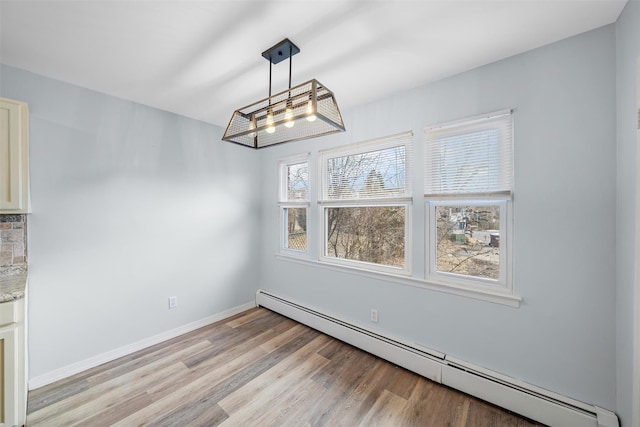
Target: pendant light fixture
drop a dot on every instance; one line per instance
(300, 112)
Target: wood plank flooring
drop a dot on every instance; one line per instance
(256, 369)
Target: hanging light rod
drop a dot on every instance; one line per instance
(305, 111)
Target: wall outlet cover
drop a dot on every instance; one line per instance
(173, 302)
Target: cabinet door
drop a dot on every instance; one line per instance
(14, 156)
(8, 371)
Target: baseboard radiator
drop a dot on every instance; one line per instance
(525, 399)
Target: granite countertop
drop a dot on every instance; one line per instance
(13, 281)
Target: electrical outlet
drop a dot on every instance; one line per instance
(374, 315)
(173, 302)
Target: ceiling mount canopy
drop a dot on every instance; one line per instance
(301, 112)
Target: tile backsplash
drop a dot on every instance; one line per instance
(13, 240)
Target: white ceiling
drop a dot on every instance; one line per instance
(202, 59)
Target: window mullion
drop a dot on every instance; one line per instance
(367, 202)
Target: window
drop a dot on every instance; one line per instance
(364, 198)
(294, 203)
(468, 193)
(364, 202)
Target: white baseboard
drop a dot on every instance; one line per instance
(535, 407)
(514, 395)
(92, 362)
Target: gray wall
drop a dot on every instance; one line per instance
(563, 337)
(130, 205)
(627, 52)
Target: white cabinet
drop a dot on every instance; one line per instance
(14, 156)
(13, 382)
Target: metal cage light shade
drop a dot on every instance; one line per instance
(300, 112)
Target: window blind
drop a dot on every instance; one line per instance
(470, 157)
(377, 169)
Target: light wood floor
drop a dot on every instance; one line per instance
(256, 369)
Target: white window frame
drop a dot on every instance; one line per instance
(406, 270)
(406, 200)
(499, 291)
(284, 204)
(503, 283)
(504, 199)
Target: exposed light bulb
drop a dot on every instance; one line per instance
(252, 126)
(288, 117)
(311, 116)
(270, 128)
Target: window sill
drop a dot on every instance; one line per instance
(497, 297)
